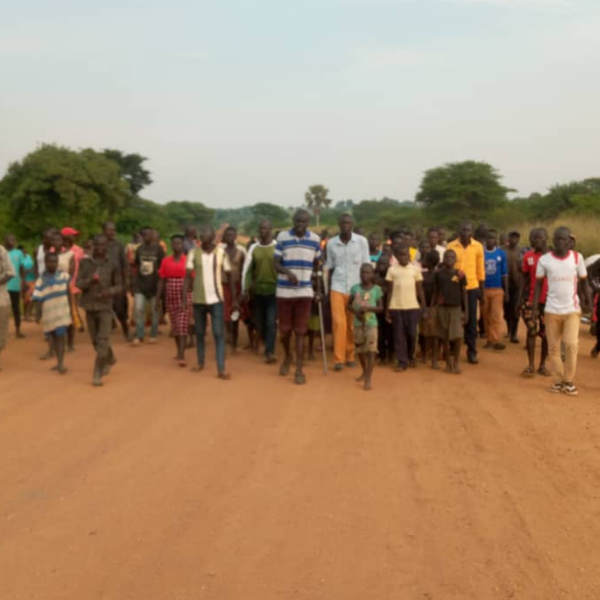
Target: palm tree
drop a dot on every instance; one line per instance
(316, 198)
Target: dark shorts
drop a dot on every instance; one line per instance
(448, 322)
(293, 314)
(365, 339)
(533, 327)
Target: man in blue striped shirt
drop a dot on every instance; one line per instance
(297, 260)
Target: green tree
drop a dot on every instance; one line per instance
(278, 216)
(233, 216)
(141, 213)
(461, 190)
(379, 215)
(55, 185)
(184, 212)
(316, 199)
(132, 169)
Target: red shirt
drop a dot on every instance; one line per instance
(169, 269)
(530, 261)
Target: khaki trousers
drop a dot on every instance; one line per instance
(343, 328)
(563, 328)
(493, 314)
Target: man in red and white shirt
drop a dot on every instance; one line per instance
(564, 270)
(538, 238)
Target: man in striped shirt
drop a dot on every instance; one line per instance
(297, 260)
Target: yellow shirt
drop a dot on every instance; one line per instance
(404, 286)
(470, 261)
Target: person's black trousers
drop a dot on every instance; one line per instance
(511, 313)
(385, 338)
(15, 301)
(471, 325)
(404, 323)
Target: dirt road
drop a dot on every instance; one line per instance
(166, 485)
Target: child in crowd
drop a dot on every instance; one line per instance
(424, 248)
(450, 298)
(406, 299)
(54, 307)
(385, 333)
(366, 302)
(427, 324)
(374, 248)
(538, 238)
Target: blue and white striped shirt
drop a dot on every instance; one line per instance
(298, 255)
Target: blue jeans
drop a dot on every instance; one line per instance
(217, 323)
(140, 316)
(264, 313)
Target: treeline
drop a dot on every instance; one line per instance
(54, 185)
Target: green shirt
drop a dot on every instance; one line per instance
(260, 277)
(369, 298)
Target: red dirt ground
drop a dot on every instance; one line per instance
(167, 485)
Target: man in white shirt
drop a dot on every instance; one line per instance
(565, 271)
(346, 253)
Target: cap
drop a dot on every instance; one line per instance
(69, 231)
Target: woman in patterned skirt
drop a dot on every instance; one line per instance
(172, 274)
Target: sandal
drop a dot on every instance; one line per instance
(543, 371)
(182, 363)
(528, 373)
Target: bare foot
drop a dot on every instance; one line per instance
(456, 370)
(284, 369)
(449, 368)
(435, 366)
(367, 387)
(198, 368)
(223, 375)
(361, 378)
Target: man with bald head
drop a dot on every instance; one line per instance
(259, 283)
(297, 260)
(470, 260)
(116, 254)
(346, 253)
(566, 274)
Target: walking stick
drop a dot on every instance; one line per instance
(322, 327)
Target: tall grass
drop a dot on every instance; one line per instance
(585, 228)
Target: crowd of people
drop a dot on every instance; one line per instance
(391, 300)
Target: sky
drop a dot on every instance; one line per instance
(245, 101)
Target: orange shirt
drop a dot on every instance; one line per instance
(469, 260)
